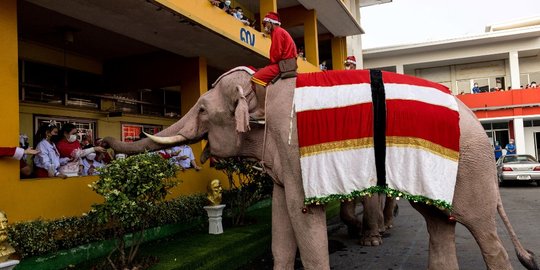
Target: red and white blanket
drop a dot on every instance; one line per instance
(335, 133)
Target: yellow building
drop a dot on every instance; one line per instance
(116, 68)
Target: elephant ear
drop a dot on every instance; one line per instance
(241, 113)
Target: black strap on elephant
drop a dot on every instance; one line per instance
(379, 124)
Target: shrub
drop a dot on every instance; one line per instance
(39, 237)
(131, 187)
(252, 186)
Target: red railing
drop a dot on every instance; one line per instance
(504, 103)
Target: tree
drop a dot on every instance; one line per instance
(130, 187)
(248, 184)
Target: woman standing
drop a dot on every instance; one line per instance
(48, 160)
(69, 147)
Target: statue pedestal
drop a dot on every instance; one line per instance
(8, 265)
(214, 218)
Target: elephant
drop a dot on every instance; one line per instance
(377, 217)
(221, 116)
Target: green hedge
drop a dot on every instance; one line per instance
(45, 236)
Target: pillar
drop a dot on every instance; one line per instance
(339, 52)
(9, 103)
(400, 69)
(519, 136)
(311, 37)
(514, 69)
(266, 6)
(194, 83)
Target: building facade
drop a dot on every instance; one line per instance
(504, 63)
(116, 68)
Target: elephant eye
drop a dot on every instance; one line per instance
(202, 110)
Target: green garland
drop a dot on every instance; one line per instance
(441, 204)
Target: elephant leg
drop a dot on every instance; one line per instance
(371, 220)
(442, 242)
(309, 228)
(310, 232)
(283, 239)
(347, 213)
(493, 252)
(390, 207)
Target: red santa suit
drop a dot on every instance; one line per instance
(282, 48)
(14, 152)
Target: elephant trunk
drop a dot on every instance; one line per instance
(132, 147)
(184, 131)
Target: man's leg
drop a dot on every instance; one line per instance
(260, 80)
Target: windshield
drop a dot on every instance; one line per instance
(519, 159)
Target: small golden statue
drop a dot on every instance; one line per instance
(214, 192)
(5, 248)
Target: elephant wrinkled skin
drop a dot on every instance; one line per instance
(222, 111)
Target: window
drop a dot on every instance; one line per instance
(131, 132)
(84, 126)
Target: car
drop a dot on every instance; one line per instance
(518, 168)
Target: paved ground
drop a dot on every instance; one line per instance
(407, 245)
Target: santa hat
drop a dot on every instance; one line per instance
(350, 60)
(272, 17)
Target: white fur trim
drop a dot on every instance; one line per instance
(243, 68)
(271, 21)
(324, 97)
(350, 62)
(19, 153)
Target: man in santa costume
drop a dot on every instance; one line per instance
(16, 152)
(350, 63)
(282, 54)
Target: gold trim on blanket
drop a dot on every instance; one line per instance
(321, 148)
(424, 145)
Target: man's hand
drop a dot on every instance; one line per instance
(99, 149)
(31, 151)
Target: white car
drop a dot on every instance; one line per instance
(518, 168)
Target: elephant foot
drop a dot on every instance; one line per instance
(372, 240)
(388, 227)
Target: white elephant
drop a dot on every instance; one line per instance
(221, 117)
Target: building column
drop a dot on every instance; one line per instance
(266, 6)
(354, 43)
(194, 83)
(514, 69)
(311, 37)
(339, 52)
(9, 103)
(400, 69)
(519, 136)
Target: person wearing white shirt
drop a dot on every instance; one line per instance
(48, 160)
(90, 165)
(183, 157)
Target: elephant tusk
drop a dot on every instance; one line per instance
(166, 140)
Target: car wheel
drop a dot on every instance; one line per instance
(538, 183)
(500, 181)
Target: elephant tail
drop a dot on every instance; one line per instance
(526, 257)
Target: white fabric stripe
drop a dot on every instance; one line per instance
(419, 172)
(420, 93)
(325, 97)
(338, 172)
